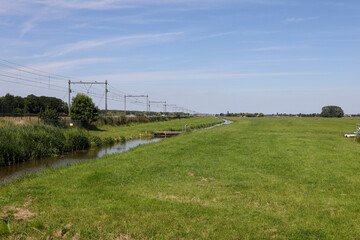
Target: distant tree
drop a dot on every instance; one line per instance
(33, 104)
(18, 112)
(8, 103)
(332, 111)
(84, 109)
(261, 115)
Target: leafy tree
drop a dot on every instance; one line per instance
(84, 109)
(33, 104)
(17, 105)
(18, 112)
(8, 103)
(49, 114)
(332, 111)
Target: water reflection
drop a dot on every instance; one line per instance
(220, 124)
(19, 169)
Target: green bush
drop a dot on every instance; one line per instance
(109, 140)
(22, 143)
(96, 141)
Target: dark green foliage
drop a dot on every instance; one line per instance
(49, 114)
(122, 120)
(4, 227)
(332, 111)
(84, 109)
(15, 105)
(96, 141)
(109, 140)
(228, 114)
(76, 140)
(21, 143)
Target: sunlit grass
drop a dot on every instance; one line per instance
(269, 178)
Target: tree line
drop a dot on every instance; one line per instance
(30, 105)
(326, 111)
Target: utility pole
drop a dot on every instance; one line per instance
(69, 98)
(106, 91)
(135, 96)
(125, 105)
(171, 105)
(91, 83)
(162, 102)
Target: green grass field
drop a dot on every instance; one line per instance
(146, 129)
(259, 178)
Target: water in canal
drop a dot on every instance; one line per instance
(19, 169)
(10, 172)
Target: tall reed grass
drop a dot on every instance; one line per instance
(25, 142)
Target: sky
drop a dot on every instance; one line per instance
(211, 56)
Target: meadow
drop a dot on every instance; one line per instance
(258, 178)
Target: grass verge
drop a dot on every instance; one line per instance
(146, 129)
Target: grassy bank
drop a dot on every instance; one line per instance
(24, 142)
(146, 129)
(20, 143)
(269, 178)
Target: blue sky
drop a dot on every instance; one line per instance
(211, 56)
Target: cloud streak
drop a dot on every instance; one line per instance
(273, 48)
(121, 40)
(193, 75)
(112, 4)
(295, 19)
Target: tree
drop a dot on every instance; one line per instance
(84, 109)
(33, 104)
(49, 114)
(332, 111)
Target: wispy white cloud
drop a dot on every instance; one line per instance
(275, 60)
(13, 7)
(42, 15)
(60, 66)
(194, 75)
(112, 4)
(296, 19)
(273, 48)
(214, 35)
(122, 40)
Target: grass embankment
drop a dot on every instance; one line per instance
(146, 129)
(279, 178)
(21, 143)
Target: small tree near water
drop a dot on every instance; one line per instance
(84, 109)
(332, 111)
(50, 115)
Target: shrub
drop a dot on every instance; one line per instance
(109, 140)
(96, 141)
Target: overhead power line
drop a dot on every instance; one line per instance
(15, 73)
